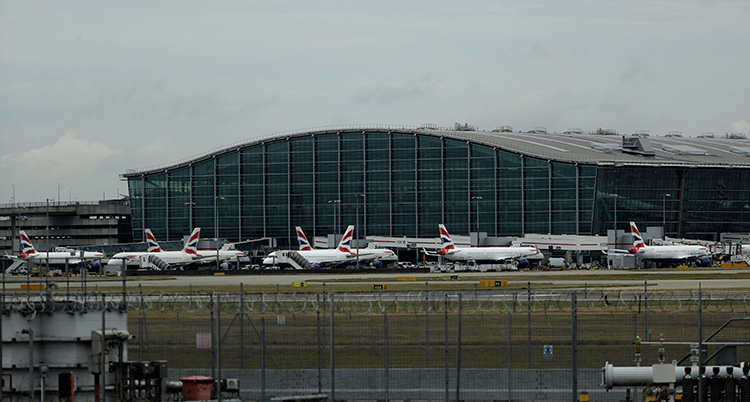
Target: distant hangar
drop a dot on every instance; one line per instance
(403, 181)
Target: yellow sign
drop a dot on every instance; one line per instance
(299, 284)
(492, 284)
(378, 287)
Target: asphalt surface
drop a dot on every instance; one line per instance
(665, 280)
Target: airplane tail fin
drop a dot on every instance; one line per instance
(637, 239)
(26, 246)
(304, 245)
(445, 237)
(345, 245)
(153, 245)
(191, 246)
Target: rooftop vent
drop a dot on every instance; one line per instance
(540, 130)
(674, 134)
(573, 131)
(744, 151)
(641, 134)
(736, 136)
(683, 150)
(464, 127)
(607, 147)
(706, 134)
(606, 131)
(503, 129)
(637, 146)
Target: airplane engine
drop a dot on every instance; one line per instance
(226, 265)
(93, 267)
(377, 264)
(317, 266)
(704, 262)
(523, 263)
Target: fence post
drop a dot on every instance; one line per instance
(242, 327)
(645, 318)
(427, 321)
(263, 357)
(509, 354)
(333, 362)
(218, 345)
(574, 342)
(447, 398)
(528, 309)
(458, 351)
(701, 367)
(385, 334)
(213, 339)
(320, 382)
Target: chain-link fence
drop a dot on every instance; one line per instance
(489, 345)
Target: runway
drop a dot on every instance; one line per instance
(706, 279)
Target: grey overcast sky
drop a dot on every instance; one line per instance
(89, 89)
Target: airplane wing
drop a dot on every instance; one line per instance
(616, 251)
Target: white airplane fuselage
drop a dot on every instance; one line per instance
(670, 252)
(60, 257)
(170, 257)
(372, 254)
(489, 254)
(315, 257)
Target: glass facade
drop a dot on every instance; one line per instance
(404, 183)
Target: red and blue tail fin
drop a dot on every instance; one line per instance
(637, 239)
(446, 240)
(191, 246)
(304, 245)
(26, 246)
(345, 245)
(153, 245)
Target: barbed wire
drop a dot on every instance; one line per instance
(379, 303)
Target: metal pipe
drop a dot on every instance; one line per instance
(641, 376)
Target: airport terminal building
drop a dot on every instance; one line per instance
(403, 181)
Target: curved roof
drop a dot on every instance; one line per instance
(570, 147)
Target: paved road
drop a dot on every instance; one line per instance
(706, 279)
(610, 279)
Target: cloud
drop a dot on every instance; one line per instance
(741, 127)
(68, 155)
(67, 162)
(385, 93)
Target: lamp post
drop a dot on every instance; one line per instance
(357, 226)
(336, 204)
(190, 214)
(664, 213)
(477, 198)
(615, 198)
(216, 227)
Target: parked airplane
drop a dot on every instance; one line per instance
(375, 256)
(57, 258)
(320, 258)
(188, 255)
(671, 254)
(487, 255)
